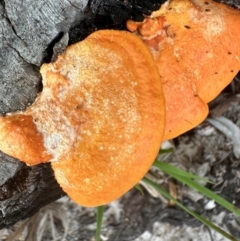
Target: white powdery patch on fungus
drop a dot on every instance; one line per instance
(56, 128)
(63, 125)
(209, 16)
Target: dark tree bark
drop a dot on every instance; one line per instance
(26, 192)
(31, 33)
(233, 3)
(29, 30)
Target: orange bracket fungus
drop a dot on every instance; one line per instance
(100, 118)
(196, 46)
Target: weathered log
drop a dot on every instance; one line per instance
(26, 192)
(28, 33)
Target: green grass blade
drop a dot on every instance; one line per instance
(208, 193)
(194, 214)
(191, 183)
(174, 170)
(165, 151)
(139, 188)
(100, 211)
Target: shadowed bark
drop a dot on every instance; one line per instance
(233, 3)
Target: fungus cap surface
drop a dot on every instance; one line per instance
(196, 46)
(101, 116)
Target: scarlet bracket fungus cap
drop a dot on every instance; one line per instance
(100, 118)
(196, 46)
